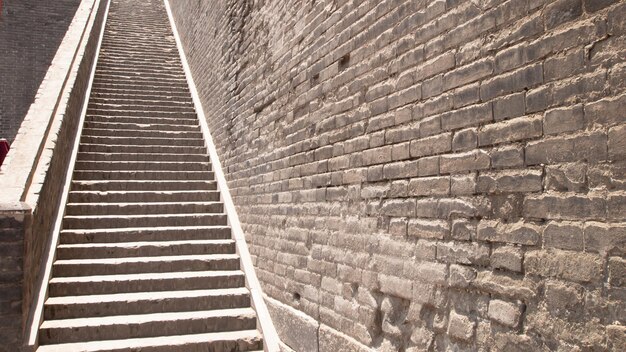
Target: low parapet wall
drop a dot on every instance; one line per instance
(33, 175)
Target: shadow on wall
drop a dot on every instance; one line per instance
(30, 34)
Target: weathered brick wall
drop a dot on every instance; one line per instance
(15, 219)
(30, 33)
(425, 174)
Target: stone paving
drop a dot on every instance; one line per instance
(146, 260)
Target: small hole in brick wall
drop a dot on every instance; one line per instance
(296, 296)
(315, 78)
(344, 62)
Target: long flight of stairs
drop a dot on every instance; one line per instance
(145, 260)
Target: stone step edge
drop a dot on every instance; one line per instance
(144, 228)
(145, 318)
(138, 344)
(144, 296)
(144, 244)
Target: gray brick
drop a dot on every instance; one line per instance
(607, 111)
(397, 207)
(467, 74)
(527, 77)
(616, 19)
(377, 155)
(434, 66)
(563, 120)
(402, 169)
(505, 313)
(474, 160)
(566, 177)
(507, 157)
(561, 67)
(518, 233)
(564, 235)
(465, 140)
(511, 130)
(428, 228)
(596, 5)
(617, 143)
(579, 267)
(463, 184)
(539, 99)
(400, 151)
(565, 207)
(562, 11)
(429, 186)
(507, 257)
(430, 126)
(510, 181)
(460, 326)
(473, 115)
(467, 95)
(431, 145)
(513, 105)
(582, 147)
(604, 238)
(432, 86)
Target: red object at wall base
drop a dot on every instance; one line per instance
(4, 144)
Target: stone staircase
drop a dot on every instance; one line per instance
(146, 259)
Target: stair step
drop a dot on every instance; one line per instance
(145, 282)
(142, 120)
(158, 220)
(72, 307)
(121, 99)
(141, 149)
(136, 265)
(143, 165)
(136, 87)
(164, 233)
(154, 106)
(139, 58)
(142, 175)
(245, 340)
(149, 67)
(129, 72)
(146, 325)
(182, 142)
(156, 76)
(141, 133)
(148, 55)
(94, 125)
(143, 157)
(187, 114)
(142, 196)
(167, 84)
(144, 249)
(143, 208)
(145, 92)
(127, 185)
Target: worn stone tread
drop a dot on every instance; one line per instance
(245, 340)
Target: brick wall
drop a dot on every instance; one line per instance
(425, 175)
(15, 219)
(30, 33)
